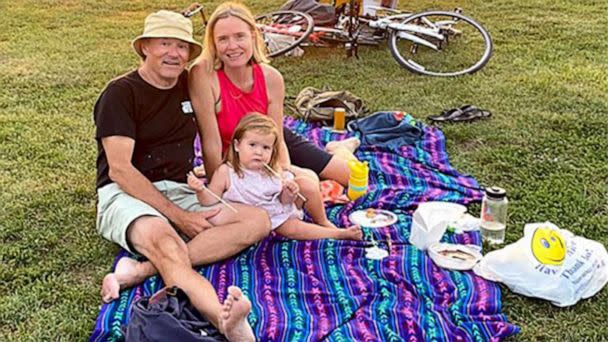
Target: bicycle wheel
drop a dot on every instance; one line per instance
(283, 31)
(439, 43)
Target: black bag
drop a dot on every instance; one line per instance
(322, 14)
(168, 315)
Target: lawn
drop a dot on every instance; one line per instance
(546, 143)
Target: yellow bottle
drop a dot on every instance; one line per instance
(357, 183)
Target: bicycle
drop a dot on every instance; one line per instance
(414, 38)
(420, 42)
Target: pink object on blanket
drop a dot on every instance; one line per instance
(333, 192)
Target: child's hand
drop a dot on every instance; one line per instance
(290, 190)
(194, 182)
(291, 186)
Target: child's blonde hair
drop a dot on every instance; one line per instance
(261, 124)
(237, 10)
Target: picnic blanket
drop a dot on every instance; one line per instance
(328, 290)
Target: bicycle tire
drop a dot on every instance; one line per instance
(483, 43)
(283, 31)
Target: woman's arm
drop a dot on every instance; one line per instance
(201, 85)
(275, 88)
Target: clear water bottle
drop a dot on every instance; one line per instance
(494, 215)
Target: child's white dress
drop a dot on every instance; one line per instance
(261, 190)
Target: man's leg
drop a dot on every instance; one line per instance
(232, 232)
(156, 239)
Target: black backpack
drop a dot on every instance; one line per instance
(168, 315)
(322, 14)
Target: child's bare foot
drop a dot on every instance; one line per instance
(350, 144)
(233, 318)
(327, 223)
(125, 275)
(352, 233)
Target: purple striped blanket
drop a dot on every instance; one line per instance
(328, 290)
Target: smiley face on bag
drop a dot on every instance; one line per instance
(548, 246)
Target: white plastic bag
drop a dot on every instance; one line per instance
(549, 263)
(430, 221)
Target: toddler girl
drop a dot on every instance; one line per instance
(245, 178)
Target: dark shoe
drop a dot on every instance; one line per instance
(464, 113)
(446, 115)
(472, 113)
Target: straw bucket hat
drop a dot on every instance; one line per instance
(167, 24)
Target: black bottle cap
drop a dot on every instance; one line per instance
(496, 192)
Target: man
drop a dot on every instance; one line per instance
(145, 133)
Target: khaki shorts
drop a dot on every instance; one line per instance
(116, 210)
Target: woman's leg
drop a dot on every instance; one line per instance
(307, 155)
(337, 169)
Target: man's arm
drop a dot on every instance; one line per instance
(119, 150)
(275, 88)
(201, 95)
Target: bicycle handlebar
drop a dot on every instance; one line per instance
(194, 8)
(191, 10)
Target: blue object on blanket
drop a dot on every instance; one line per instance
(387, 129)
(168, 316)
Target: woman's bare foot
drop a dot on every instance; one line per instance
(350, 144)
(233, 318)
(351, 233)
(125, 275)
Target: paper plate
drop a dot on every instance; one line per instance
(373, 218)
(455, 257)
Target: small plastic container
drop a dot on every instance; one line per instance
(494, 215)
(357, 183)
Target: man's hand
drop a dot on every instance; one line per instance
(193, 222)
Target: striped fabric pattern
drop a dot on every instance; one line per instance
(328, 290)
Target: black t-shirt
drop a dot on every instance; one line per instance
(161, 121)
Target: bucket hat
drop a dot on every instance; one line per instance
(167, 24)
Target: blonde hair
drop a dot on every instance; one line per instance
(225, 10)
(260, 124)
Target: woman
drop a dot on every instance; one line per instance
(232, 79)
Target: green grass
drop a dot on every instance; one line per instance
(547, 142)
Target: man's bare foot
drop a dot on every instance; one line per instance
(327, 223)
(125, 275)
(351, 144)
(233, 318)
(352, 233)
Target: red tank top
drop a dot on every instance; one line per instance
(235, 103)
